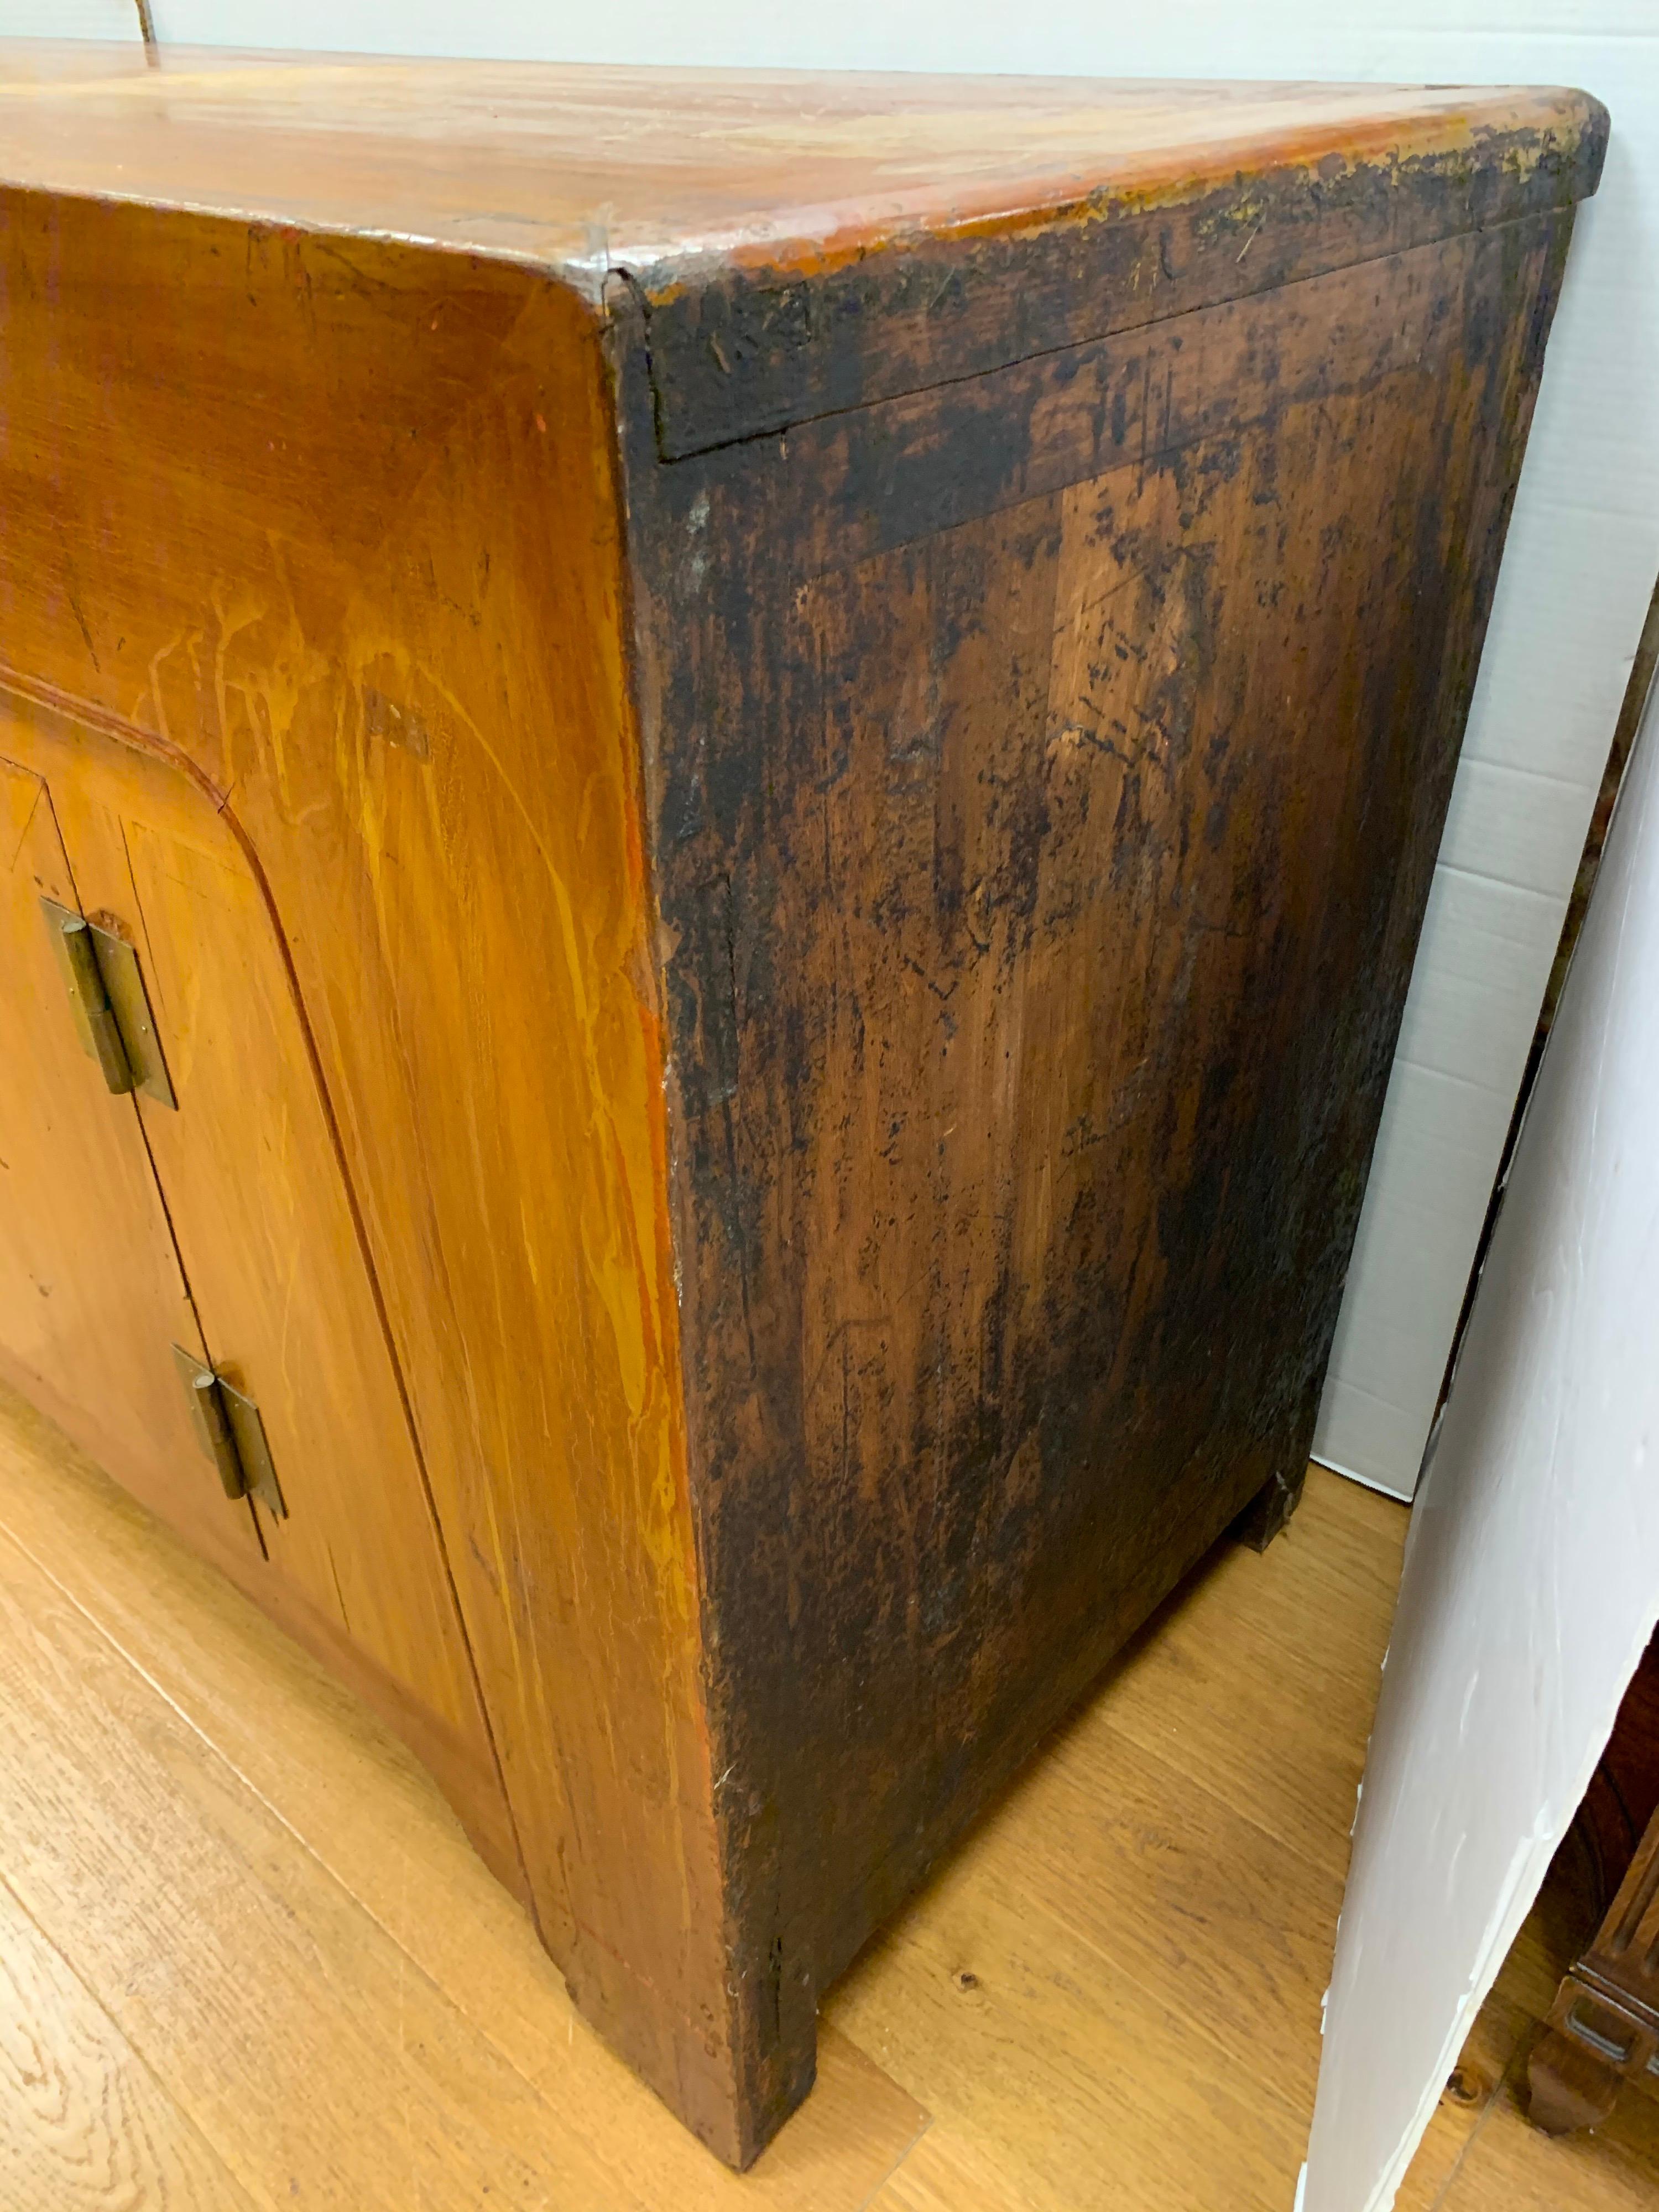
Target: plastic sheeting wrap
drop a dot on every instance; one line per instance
(1531, 1581)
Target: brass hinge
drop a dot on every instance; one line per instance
(232, 1434)
(111, 1005)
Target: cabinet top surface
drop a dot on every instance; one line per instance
(584, 169)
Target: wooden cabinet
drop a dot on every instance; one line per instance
(771, 750)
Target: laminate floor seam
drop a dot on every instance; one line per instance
(1443, 2194)
(1196, 2019)
(621, 2195)
(903, 2158)
(544, 2093)
(1125, 1974)
(123, 2037)
(1146, 1754)
(1145, 1744)
(312, 1852)
(1282, 1838)
(1239, 1811)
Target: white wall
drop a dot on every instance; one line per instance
(1583, 555)
(70, 19)
(1584, 547)
(1532, 1572)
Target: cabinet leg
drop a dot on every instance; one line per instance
(1270, 1509)
(1568, 2087)
(735, 2072)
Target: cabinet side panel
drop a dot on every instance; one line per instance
(1047, 773)
(337, 521)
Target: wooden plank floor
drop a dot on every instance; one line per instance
(247, 1960)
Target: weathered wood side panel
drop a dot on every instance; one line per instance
(1047, 774)
(756, 348)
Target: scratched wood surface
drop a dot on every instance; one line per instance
(433, 776)
(746, 207)
(84, 2124)
(850, 925)
(1042, 836)
(1084, 2014)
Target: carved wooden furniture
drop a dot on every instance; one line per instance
(758, 759)
(1603, 2028)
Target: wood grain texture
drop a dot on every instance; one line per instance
(1021, 2121)
(1216, 1683)
(817, 1003)
(363, 1822)
(752, 207)
(1041, 848)
(84, 2124)
(186, 1881)
(1133, 1915)
(1493, 2048)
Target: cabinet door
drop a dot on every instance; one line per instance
(92, 1298)
(248, 1163)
